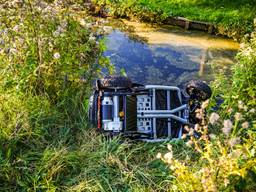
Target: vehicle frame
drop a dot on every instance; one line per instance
(150, 113)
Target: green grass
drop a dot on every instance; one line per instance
(233, 18)
(46, 142)
(54, 150)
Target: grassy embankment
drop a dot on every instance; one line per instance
(45, 140)
(232, 18)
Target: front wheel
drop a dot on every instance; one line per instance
(198, 90)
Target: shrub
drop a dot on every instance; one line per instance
(226, 161)
(47, 62)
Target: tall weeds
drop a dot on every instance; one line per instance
(48, 59)
(226, 158)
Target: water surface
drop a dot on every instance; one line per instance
(168, 55)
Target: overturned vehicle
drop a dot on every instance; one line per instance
(145, 112)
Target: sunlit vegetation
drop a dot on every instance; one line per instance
(226, 150)
(49, 56)
(232, 18)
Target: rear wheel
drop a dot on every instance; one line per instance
(114, 82)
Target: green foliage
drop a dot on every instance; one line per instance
(52, 49)
(222, 166)
(48, 59)
(47, 62)
(238, 91)
(226, 160)
(245, 72)
(233, 18)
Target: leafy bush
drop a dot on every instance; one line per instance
(47, 60)
(225, 163)
(50, 46)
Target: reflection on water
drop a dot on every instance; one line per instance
(169, 61)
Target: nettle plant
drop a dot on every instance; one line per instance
(46, 48)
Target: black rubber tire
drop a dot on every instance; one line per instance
(198, 90)
(114, 82)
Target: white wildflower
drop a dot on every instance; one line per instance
(197, 127)
(169, 147)
(12, 51)
(82, 22)
(59, 31)
(238, 116)
(226, 182)
(252, 111)
(230, 110)
(56, 33)
(50, 46)
(245, 108)
(92, 37)
(205, 104)
(240, 104)
(200, 113)
(189, 143)
(168, 157)
(248, 52)
(214, 117)
(56, 55)
(63, 25)
(89, 25)
(228, 123)
(199, 110)
(245, 125)
(227, 127)
(234, 141)
(16, 28)
(159, 156)
(212, 136)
